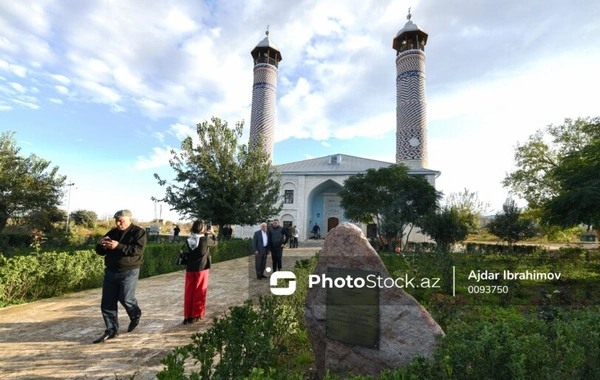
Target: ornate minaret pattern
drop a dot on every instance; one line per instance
(264, 92)
(411, 109)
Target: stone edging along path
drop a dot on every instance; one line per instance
(52, 338)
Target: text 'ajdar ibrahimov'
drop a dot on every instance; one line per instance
(479, 275)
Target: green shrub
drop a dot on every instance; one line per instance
(571, 254)
(14, 240)
(231, 249)
(483, 248)
(248, 337)
(514, 348)
(42, 275)
(30, 275)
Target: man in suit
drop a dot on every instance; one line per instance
(260, 245)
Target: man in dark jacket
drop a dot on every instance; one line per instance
(278, 237)
(123, 249)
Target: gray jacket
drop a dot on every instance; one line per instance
(257, 243)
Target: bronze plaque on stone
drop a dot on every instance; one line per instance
(352, 308)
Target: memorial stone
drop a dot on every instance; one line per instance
(362, 330)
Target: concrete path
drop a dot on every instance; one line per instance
(52, 338)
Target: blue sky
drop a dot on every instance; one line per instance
(105, 89)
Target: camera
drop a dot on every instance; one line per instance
(208, 225)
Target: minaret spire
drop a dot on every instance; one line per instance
(264, 93)
(411, 108)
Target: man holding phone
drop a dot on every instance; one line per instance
(123, 249)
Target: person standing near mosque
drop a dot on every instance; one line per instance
(198, 244)
(123, 249)
(260, 246)
(176, 231)
(278, 237)
(296, 236)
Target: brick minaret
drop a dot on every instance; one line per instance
(411, 109)
(264, 92)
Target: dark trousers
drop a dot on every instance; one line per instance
(260, 264)
(194, 294)
(277, 253)
(119, 287)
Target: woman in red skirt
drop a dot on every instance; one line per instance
(196, 274)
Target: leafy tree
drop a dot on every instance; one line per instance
(46, 220)
(390, 196)
(85, 218)
(219, 180)
(27, 184)
(551, 231)
(510, 226)
(578, 176)
(468, 205)
(447, 226)
(535, 179)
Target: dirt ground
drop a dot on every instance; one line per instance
(52, 338)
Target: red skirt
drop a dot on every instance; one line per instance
(194, 296)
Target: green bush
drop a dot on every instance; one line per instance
(516, 348)
(41, 275)
(248, 337)
(31, 275)
(572, 254)
(483, 248)
(231, 249)
(14, 240)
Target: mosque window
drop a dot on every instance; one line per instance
(288, 196)
(335, 159)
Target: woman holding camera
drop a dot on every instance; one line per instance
(196, 273)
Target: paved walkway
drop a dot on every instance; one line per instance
(52, 338)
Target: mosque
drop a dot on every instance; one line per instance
(309, 188)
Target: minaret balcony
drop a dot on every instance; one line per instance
(268, 60)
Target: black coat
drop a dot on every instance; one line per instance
(278, 236)
(199, 257)
(129, 253)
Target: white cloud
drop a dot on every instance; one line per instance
(17, 70)
(159, 136)
(56, 101)
(26, 104)
(62, 90)
(61, 79)
(325, 144)
(160, 157)
(101, 93)
(179, 22)
(181, 131)
(18, 87)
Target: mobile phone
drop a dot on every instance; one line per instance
(208, 225)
